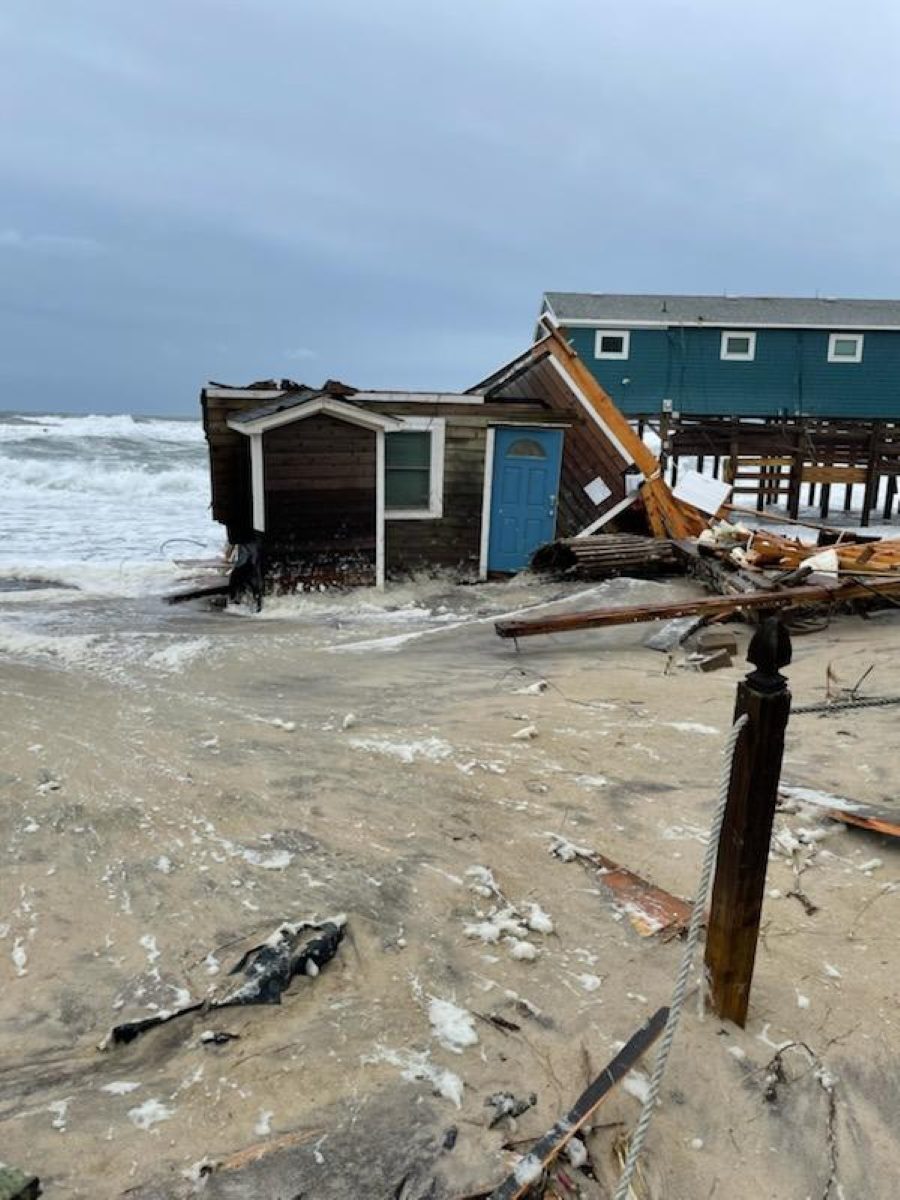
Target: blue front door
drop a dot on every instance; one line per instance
(523, 495)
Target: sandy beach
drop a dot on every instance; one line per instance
(177, 783)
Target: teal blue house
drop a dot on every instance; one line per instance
(738, 356)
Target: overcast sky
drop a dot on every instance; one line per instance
(380, 192)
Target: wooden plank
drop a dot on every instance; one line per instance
(829, 475)
(649, 908)
(554, 1140)
(865, 816)
(600, 618)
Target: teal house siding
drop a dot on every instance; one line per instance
(790, 374)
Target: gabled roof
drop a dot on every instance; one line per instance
(297, 406)
(730, 312)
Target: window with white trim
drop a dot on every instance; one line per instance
(845, 347)
(414, 470)
(738, 345)
(611, 343)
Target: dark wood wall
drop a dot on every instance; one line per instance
(320, 485)
(229, 463)
(455, 539)
(587, 452)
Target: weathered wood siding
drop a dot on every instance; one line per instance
(320, 486)
(454, 540)
(229, 463)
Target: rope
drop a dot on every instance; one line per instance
(681, 981)
(826, 706)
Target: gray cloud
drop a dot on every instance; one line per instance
(396, 184)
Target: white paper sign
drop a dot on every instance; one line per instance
(701, 491)
(597, 490)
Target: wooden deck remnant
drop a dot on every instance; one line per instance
(607, 555)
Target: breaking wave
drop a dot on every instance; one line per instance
(103, 502)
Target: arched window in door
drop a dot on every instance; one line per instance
(526, 448)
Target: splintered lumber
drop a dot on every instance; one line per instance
(850, 812)
(650, 909)
(709, 606)
(607, 555)
(544, 1151)
(666, 515)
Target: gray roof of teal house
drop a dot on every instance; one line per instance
(728, 312)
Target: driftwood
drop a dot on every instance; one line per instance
(598, 618)
(547, 1148)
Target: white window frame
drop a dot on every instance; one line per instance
(624, 334)
(834, 338)
(727, 355)
(436, 426)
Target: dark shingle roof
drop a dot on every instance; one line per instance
(723, 311)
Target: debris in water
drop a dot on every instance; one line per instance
(506, 1106)
(217, 1037)
(268, 970)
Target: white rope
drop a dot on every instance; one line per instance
(680, 989)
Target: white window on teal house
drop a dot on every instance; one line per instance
(611, 343)
(845, 347)
(738, 345)
(414, 470)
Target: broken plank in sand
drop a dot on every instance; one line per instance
(649, 909)
(547, 1148)
(850, 812)
(598, 618)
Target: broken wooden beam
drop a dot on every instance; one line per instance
(649, 908)
(599, 618)
(547, 1148)
(837, 808)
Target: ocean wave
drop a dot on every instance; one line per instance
(119, 426)
(100, 479)
(126, 578)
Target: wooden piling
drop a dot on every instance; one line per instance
(740, 877)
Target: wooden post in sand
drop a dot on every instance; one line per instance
(740, 877)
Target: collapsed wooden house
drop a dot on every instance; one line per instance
(345, 486)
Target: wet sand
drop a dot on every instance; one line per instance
(176, 784)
